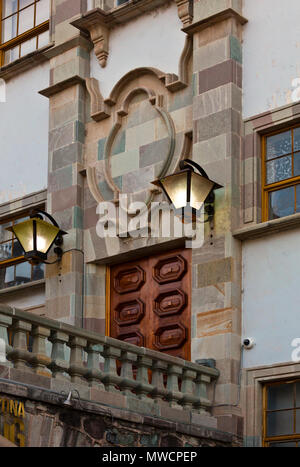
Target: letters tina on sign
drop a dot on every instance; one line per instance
(12, 420)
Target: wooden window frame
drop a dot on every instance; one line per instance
(269, 188)
(267, 440)
(18, 40)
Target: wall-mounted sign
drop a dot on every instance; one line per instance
(12, 420)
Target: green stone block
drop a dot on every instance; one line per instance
(101, 146)
(79, 132)
(83, 53)
(236, 50)
(106, 191)
(119, 143)
(77, 218)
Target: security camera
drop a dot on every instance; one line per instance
(248, 343)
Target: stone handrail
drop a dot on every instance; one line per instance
(70, 354)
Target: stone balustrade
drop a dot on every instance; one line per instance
(76, 358)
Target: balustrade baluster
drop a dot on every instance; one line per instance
(77, 370)
(20, 355)
(40, 359)
(59, 364)
(128, 383)
(202, 403)
(111, 378)
(174, 396)
(188, 389)
(94, 374)
(159, 369)
(144, 363)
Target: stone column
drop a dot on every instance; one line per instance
(69, 66)
(217, 126)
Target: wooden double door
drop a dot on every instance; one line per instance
(151, 303)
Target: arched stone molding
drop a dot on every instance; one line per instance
(156, 101)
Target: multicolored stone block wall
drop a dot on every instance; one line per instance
(207, 107)
(69, 66)
(217, 125)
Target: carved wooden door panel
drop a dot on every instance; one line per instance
(151, 302)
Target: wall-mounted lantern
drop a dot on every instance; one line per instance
(36, 237)
(188, 188)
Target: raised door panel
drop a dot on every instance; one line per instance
(150, 303)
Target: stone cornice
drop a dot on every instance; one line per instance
(210, 20)
(62, 85)
(268, 228)
(25, 63)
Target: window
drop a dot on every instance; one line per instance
(24, 28)
(14, 270)
(281, 174)
(282, 414)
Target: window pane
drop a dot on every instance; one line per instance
(9, 7)
(11, 55)
(5, 234)
(297, 164)
(297, 139)
(26, 19)
(38, 272)
(9, 276)
(298, 421)
(291, 444)
(17, 249)
(42, 11)
(28, 46)
(24, 3)
(9, 28)
(298, 210)
(23, 273)
(280, 144)
(281, 203)
(281, 397)
(279, 169)
(280, 423)
(5, 251)
(43, 39)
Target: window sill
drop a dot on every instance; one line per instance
(25, 63)
(22, 286)
(268, 228)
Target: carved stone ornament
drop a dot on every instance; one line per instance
(97, 23)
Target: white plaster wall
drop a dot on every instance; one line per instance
(24, 125)
(152, 40)
(271, 54)
(271, 297)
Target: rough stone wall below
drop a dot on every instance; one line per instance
(49, 423)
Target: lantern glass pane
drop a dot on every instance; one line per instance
(200, 189)
(45, 235)
(24, 233)
(176, 188)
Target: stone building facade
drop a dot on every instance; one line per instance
(115, 97)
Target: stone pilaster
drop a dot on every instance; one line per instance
(69, 66)
(217, 126)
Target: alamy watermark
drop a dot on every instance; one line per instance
(158, 220)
